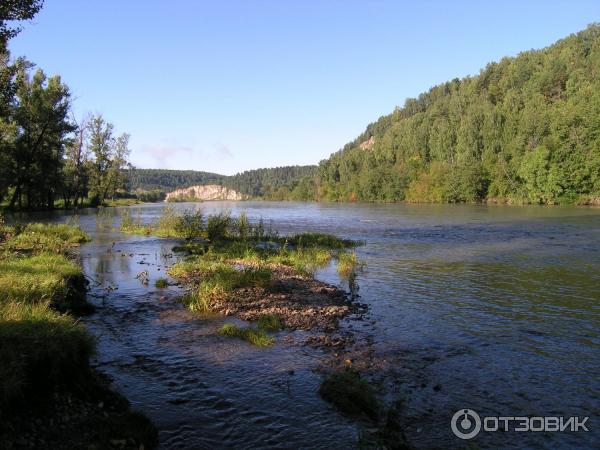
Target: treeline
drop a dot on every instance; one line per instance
(276, 183)
(169, 180)
(525, 130)
(46, 157)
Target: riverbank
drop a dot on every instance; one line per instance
(49, 395)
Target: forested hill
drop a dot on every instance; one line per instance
(526, 129)
(277, 182)
(168, 180)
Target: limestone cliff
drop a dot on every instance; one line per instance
(207, 192)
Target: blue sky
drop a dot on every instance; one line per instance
(227, 86)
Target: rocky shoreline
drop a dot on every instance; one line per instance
(301, 302)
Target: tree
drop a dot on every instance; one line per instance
(109, 159)
(15, 11)
(76, 164)
(42, 127)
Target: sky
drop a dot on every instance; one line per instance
(226, 86)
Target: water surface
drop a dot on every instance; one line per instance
(492, 308)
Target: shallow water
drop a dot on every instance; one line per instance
(491, 308)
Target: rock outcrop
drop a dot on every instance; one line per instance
(207, 192)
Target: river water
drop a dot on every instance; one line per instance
(491, 308)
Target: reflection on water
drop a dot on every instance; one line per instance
(493, 308)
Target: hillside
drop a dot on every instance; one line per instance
(526, 129)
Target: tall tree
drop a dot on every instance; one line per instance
(41, 117)
(109, 154)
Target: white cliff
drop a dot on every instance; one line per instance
(207, 192)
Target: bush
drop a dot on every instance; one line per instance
(217, 226)
(242, 226)
(190, 225)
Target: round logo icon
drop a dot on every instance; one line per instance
(466, 424)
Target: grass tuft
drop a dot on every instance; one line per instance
(269, 322)
(161, 283)
(254, 336)
(346, 263)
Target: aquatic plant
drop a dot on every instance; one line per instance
(269, 322)
(161, 283)
(346, 263)
(350, 393)
(254, 336)
(131, 225)
(324, 240)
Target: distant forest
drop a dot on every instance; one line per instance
(278, 183)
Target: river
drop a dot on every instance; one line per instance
(492, 308)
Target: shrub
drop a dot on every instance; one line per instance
(189, 225)
(217, 226)
(242, 226)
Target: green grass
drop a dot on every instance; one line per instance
(228, 254)
(161, 283)
(31, 279)
(215, 281)
(350, 393)
(254, 336)
(40, 346)
(269, 322)
(346, 263)
(55, 238)
(324, 240)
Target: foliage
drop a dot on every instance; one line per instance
(217, 226)
(12, 11)
(190, 224)
(254, 336)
